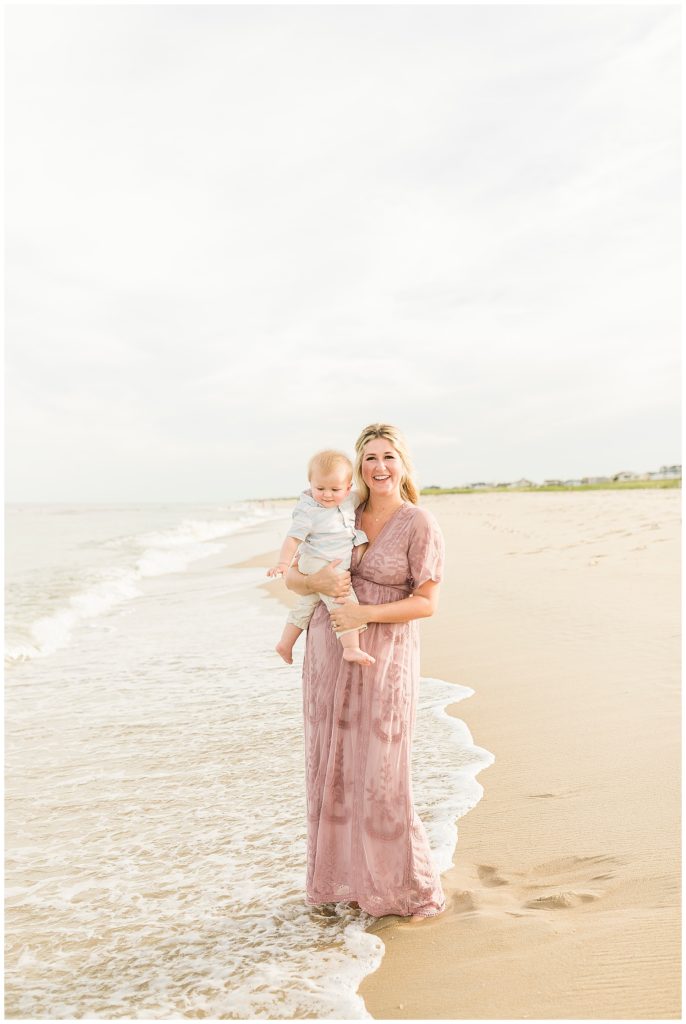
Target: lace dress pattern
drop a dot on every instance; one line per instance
(365, 841)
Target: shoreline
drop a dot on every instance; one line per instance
(565, 886)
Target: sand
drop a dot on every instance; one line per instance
(562, 612)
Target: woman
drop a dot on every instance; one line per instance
(365, 842)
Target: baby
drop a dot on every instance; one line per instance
(323, 529)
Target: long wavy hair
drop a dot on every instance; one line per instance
(408, 488)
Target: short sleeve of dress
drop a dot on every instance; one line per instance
(426, 550)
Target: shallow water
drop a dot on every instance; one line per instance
(155, 835)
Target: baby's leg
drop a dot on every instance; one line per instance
(297, 620)
(332, 603)
(352, 651)
(284, 647)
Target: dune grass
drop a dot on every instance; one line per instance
(609, 485)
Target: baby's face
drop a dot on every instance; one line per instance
(330, 489)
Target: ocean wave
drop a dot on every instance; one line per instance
(153, 553)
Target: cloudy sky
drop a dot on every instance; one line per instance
(236, 235)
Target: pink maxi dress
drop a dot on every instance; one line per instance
(365, 841)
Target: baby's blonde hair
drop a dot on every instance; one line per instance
(328, 460)
(408, 488)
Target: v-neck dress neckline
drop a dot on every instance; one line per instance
(371, 543)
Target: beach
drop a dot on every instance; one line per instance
(561, 612)
(155, 836)
(155, 825)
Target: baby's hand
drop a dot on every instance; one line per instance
(278, 570)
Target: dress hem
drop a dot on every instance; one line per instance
(333, 898)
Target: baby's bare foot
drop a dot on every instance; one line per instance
(358, 655)
(286, 653)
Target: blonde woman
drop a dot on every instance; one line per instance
(366, 844)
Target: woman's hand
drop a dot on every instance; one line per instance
(325, 581)
(331, 582)
(348, 615)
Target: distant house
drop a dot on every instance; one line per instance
(664, 473)
(667, 473)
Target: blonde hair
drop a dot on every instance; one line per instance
(408, 488)
(328, 460)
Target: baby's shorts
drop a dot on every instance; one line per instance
(302, 612)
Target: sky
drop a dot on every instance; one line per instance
(236, 235)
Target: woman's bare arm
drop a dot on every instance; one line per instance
(327, 581)
(420, 605)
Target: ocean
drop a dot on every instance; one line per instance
(155, 800)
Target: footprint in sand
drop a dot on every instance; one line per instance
(555, 794)
(489, 875)
(561, 900)
(464, 901)
(576, 880)
(559, 884)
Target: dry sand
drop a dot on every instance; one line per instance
(562, 611)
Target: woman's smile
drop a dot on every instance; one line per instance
(381, 467)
